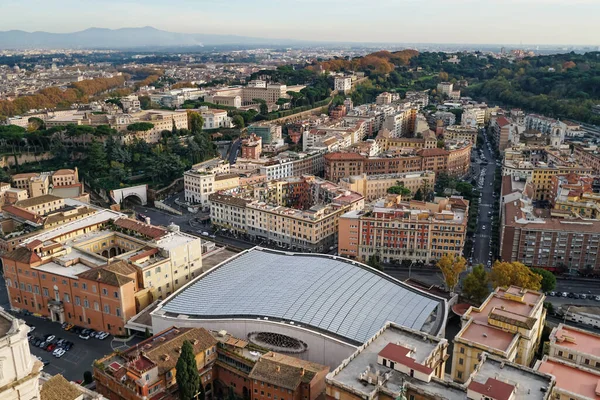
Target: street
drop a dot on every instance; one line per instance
(481, 241)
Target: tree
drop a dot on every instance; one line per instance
(506, 274)
(188, 379)
(451, 268)
(96, 158)
(140, 126)
(548, 279)
(238, 121)
(374, 262)
(87, 377)
(475, 285)
(196, 122)
(405, 192)
(418, 195)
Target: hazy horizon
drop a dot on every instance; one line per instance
(540, 22)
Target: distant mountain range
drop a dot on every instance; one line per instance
(124, 38)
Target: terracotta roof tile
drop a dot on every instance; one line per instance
(105, 276)
(150, 231)
(23, 255)
(58, 388)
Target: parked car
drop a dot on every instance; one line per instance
(564, 294)
(45, 362)
(552, 293)
(51, 347)
(68, 346)
(31, 329)
(59, 353)
(68, 327)
(583, 296)
(84, 336)
(42, 344)
(50, 338)
(597, 298)
(102, 335)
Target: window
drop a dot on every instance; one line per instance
(44, 276)
(116, 295)
(560, 353)
(75, 284)
(77, 301)
(86, 303)
(462, 350)
(570, 356)
(105, 292)
(67, 298)
(64, 281)
(84, 286)
(94, 288)
(45, 290)
(459, 374)
(96, 306)
(461, 361)
(118, 312)
(106, 309)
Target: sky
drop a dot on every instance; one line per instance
(391, 21)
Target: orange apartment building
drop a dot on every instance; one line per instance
(252, 147)
(395, 230)
(47, 279)
(455, 162)
(224, 362)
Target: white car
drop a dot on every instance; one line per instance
(102, 335)
(50, 338)
(84, 336)
(58, 353)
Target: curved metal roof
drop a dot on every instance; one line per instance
(337, 296)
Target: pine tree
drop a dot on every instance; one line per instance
(188, 379)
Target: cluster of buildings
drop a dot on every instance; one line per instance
(76, 263)
(15, 81)
(249, 95)
(299, 213)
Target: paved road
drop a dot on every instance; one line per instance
(234, 151)
(481, 245)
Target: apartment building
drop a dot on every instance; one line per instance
(160, 119)
(473, 117)
(542, 174)
(397, 230)
(148, 370)
(401, 363)
(508, 324)
(252, 147)
(401, 123)
(456, 160)
(552, 243)
(503, 130)
(98, 271)
(445, 88)
(573, 196)
(573, 362)
(588, 156)
(387, 142)
(268, 92)
(374, 187)
(199, 182)
(131, 103)
(63, 183)
(461, 132)
(20, 375)
(342, 84)
(386, 98)
(290, 163)
(299, 214)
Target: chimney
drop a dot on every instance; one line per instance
(278, 368)
(302, 372)
(99, 275)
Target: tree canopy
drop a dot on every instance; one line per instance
(140, 126)
(451, 267)
(476, 284)
(548, 279)
(505, 274)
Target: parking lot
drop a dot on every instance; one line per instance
(77, 360)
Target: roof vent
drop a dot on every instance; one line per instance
(195, 342)
(485, 335)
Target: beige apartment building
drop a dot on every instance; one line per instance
(508, 324)
(459, 132)
(374, 187)
(396, 230)
(201, 181)
(299, 214)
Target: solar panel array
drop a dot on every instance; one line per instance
(328, 294)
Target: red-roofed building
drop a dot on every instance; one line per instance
(492, 389)
(502, 129)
